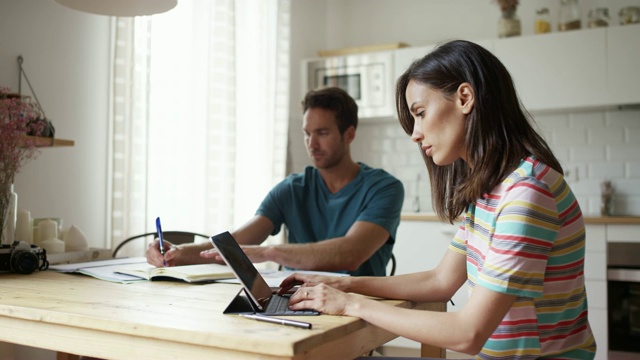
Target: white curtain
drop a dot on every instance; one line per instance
(200, 115)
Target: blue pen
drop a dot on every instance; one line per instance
(160, 240)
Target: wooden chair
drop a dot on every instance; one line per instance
(392, 261)
(174, 237)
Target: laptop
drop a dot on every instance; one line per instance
(260, 298)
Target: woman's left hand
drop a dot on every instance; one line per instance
(322, 298)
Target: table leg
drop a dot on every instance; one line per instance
(428, 351)
(65, 356)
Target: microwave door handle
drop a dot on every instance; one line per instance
(627, 275)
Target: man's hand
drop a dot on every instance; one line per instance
(155, 258)
(256, 253)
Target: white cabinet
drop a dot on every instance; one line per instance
(595, 269)
(623, 59)
(405, 56)
(557, 70)
(420, 245)
(564, 70)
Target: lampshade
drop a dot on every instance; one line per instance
(120, 7)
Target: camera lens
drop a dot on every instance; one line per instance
(24, 262)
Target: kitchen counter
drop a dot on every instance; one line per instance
(630, 220)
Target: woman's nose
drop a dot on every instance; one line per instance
(417, 135)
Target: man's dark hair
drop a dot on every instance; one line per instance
(336, 100)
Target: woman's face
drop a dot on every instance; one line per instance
(439, 122)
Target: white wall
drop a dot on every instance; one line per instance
(66, 57)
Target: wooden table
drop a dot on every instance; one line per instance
(77, 314)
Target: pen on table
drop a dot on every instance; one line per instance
(160, 240)
(273, 320)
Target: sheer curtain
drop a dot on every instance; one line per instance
(200, 113)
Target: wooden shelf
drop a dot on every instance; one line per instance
(50, 142)
(362, 49)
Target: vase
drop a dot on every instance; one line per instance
(509, 24)
(8, 213)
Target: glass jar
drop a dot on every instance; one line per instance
(509, 24)
(629, 15)
(542, 24)
(569, 16)
(598, 17)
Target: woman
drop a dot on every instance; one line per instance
(520, 246)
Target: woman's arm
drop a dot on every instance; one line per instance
(465, 331)
(439, 284)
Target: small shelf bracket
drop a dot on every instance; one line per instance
(21, 74)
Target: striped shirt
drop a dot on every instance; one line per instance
(526, 238)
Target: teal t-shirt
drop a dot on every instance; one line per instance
(311, 213)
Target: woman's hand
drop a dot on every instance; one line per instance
(323, 293)
(336, 282)
(324, 299)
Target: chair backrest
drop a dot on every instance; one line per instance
(174, 237)
(392, 262)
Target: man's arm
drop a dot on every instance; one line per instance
(253, 232)
(342, 253)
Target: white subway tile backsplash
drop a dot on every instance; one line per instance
(588, 120)
(395, 131)
(591, 146)
(632, 135)
(605, 136)
(626, 205)
(561, 152)
(624, 152)
(606, 170)
(586, 187)
(552, 121)
(570, 136)
(626, 187)
(387, 145)
(624, 118)
(633, 170)
(405, 144)
(587, 153)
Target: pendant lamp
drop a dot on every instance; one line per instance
(120, 7)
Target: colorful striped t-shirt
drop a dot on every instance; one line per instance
(527, 238)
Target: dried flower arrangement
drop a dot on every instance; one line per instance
(18, 117)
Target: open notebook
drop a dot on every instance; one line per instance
(188, 273)
(260, 297)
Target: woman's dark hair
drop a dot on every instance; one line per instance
(336, 100)
(498, 133)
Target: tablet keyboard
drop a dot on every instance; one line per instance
(279, 304)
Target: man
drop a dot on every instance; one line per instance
(341, 215)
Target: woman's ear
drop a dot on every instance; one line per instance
(466, 97)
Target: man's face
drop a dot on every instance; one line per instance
(325, 145)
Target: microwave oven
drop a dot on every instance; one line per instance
(368, 78)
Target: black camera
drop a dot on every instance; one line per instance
(23, 258)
